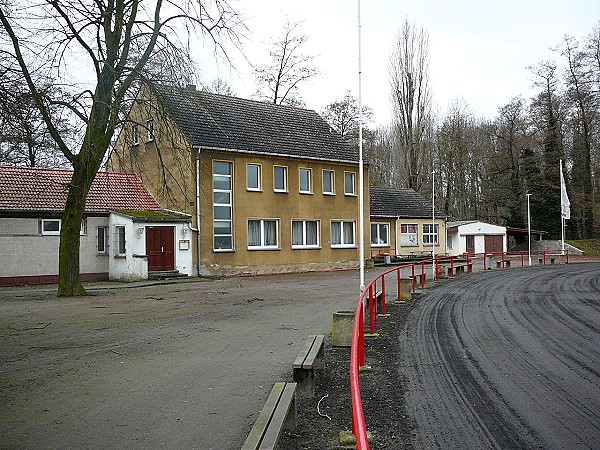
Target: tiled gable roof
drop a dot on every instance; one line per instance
(27, 190)
(388, 202)
(231, 123)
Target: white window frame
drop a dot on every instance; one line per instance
(262, 245)
(304, 245)
(229, 205)
(332, 173)
(376, 237)
(258, 167)
(285, 175)
(342, 243)
(51, 232)
(308, 171)
(120, 240)
(150, 129)
(351, 193)
(409, 239)
(104, 232)
(135, 130)
(428, 234)
(83, 227)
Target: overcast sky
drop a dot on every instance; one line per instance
(479, 50)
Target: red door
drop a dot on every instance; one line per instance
(160, 246)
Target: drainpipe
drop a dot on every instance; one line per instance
(396, 236)
(199, 259)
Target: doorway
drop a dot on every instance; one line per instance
(160, 248)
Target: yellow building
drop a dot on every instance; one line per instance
(270, 188)
(403, 224)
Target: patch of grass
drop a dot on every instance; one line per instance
(589, 246)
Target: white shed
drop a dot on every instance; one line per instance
(475, 237)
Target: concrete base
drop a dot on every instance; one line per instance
(341, 329)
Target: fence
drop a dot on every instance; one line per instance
(375, 293)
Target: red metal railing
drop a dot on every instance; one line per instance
(357, 352)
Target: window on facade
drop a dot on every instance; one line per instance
(135, 134)
(305, 181)
(349, 183)
(380, 234)
(51, 227)
(253, 179)
(409, 234)
(280, 179)
(430, 234)
(222, 206)
(120, 247)
(342, 233)
(101, 240)
(305, 234)
(449, 241)
(263, 234)
(328, 182)
(150, 129)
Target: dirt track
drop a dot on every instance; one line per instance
(183, 366)
(506, 359)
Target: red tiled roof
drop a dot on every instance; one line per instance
(26, 189)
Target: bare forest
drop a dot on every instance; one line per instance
(485, 167)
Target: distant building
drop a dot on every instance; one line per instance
(402, 224)
(472, 236)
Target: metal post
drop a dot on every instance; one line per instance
(529, 227)
(383, 308)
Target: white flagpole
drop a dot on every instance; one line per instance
(433, 223)
(361, 181)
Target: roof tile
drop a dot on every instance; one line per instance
(388, 202)
(28, 189)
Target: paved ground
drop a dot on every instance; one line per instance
(506, 359)
(181, 366)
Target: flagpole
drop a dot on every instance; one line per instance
(361, 227)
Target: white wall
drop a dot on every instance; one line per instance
(479, 230)
(26, 252)
(134, 264)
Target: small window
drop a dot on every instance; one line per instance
(263, 234)
(409, 234)
(51, 227)
(305, 181)
(349, 183)
(83, 227)
(380, 235)
(342, 233)
(101, 240)
(150, 129)
(135, 132)
(449, 240)
(328, 182)
(280, 179)
(253, 181)
(305, 234)
(430, 234)
(120, 248)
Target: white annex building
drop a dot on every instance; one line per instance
(475, 237)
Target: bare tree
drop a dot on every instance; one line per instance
(411, 99)
(117, 44)
(343, 116)
(279, 79)
(219, 86)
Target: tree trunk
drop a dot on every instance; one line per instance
(69, 283)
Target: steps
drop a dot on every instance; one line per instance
(166, 275)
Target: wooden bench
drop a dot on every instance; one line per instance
(309, 359)
(278, 413)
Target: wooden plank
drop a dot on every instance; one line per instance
(317, 348)
(299, 361)
(262, 422)
(286, 402)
